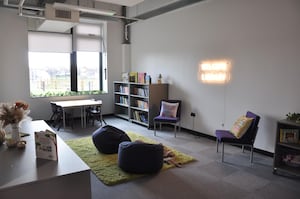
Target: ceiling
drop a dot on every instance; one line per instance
(41, 3)
(35, 8)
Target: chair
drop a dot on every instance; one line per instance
(225, 136)
(94, 113)
(170, 111)
(57, 115)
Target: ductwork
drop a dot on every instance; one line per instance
(59, 17)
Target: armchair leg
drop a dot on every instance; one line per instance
(217, 145)
(223, 152)
(175, 129)
(251, 155)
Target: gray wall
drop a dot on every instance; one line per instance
(261, 37)
(14, 72)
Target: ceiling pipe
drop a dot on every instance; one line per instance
(6, 4)
(20, 8)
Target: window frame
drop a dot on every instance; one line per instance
(73, 68)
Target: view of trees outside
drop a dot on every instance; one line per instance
(50, 73)
(88, 71)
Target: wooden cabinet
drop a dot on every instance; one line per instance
(287, 149)
(137, 102)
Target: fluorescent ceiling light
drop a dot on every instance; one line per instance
(123, 2)
(84, 9)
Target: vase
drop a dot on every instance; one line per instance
(15, 132)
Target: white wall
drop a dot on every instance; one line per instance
(261, 37)
(14, 73)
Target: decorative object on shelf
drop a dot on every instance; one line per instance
(293, 117)
(289, 135)
(12, 114)
(159, 79)
(125, 77)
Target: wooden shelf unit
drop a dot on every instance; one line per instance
(121, 99)
(142, 101)
(283, 148)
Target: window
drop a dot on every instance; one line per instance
(65, 64)
(88, 71)
(49, 73)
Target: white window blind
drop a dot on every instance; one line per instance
(49, 42)
(88, 37)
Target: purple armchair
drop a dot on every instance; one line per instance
(225, 136)
(172, 110)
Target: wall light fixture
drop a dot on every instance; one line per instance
(214, 71)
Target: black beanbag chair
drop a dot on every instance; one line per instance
(107, 139)
(138, 157)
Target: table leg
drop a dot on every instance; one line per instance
(82, 116)
(64, 118)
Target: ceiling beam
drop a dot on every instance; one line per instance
(166, 8)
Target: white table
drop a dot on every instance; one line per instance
(25, 176)
(82, 104)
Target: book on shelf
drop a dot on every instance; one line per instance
(46, 145)
(133, 77)
(141, 78)
(289, 135)
(148, 79)
(140, 91)
(123, 100)
(140, 116)
(142, 104)
(124, 89)
(143, 117)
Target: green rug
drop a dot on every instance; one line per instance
(105, 166)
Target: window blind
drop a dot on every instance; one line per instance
(88, 37)
(49, 42)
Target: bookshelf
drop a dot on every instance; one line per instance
(140, 103)
(287, 149)
(121, 99)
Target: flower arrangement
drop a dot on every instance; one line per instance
(293, 116)
(13, 113)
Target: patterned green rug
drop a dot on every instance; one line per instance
(105, 166)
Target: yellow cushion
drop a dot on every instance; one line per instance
(241, 125)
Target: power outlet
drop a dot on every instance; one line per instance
(193, 114)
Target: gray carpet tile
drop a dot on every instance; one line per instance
(207, 178)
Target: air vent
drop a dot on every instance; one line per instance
(64, 14)
(58, 20)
